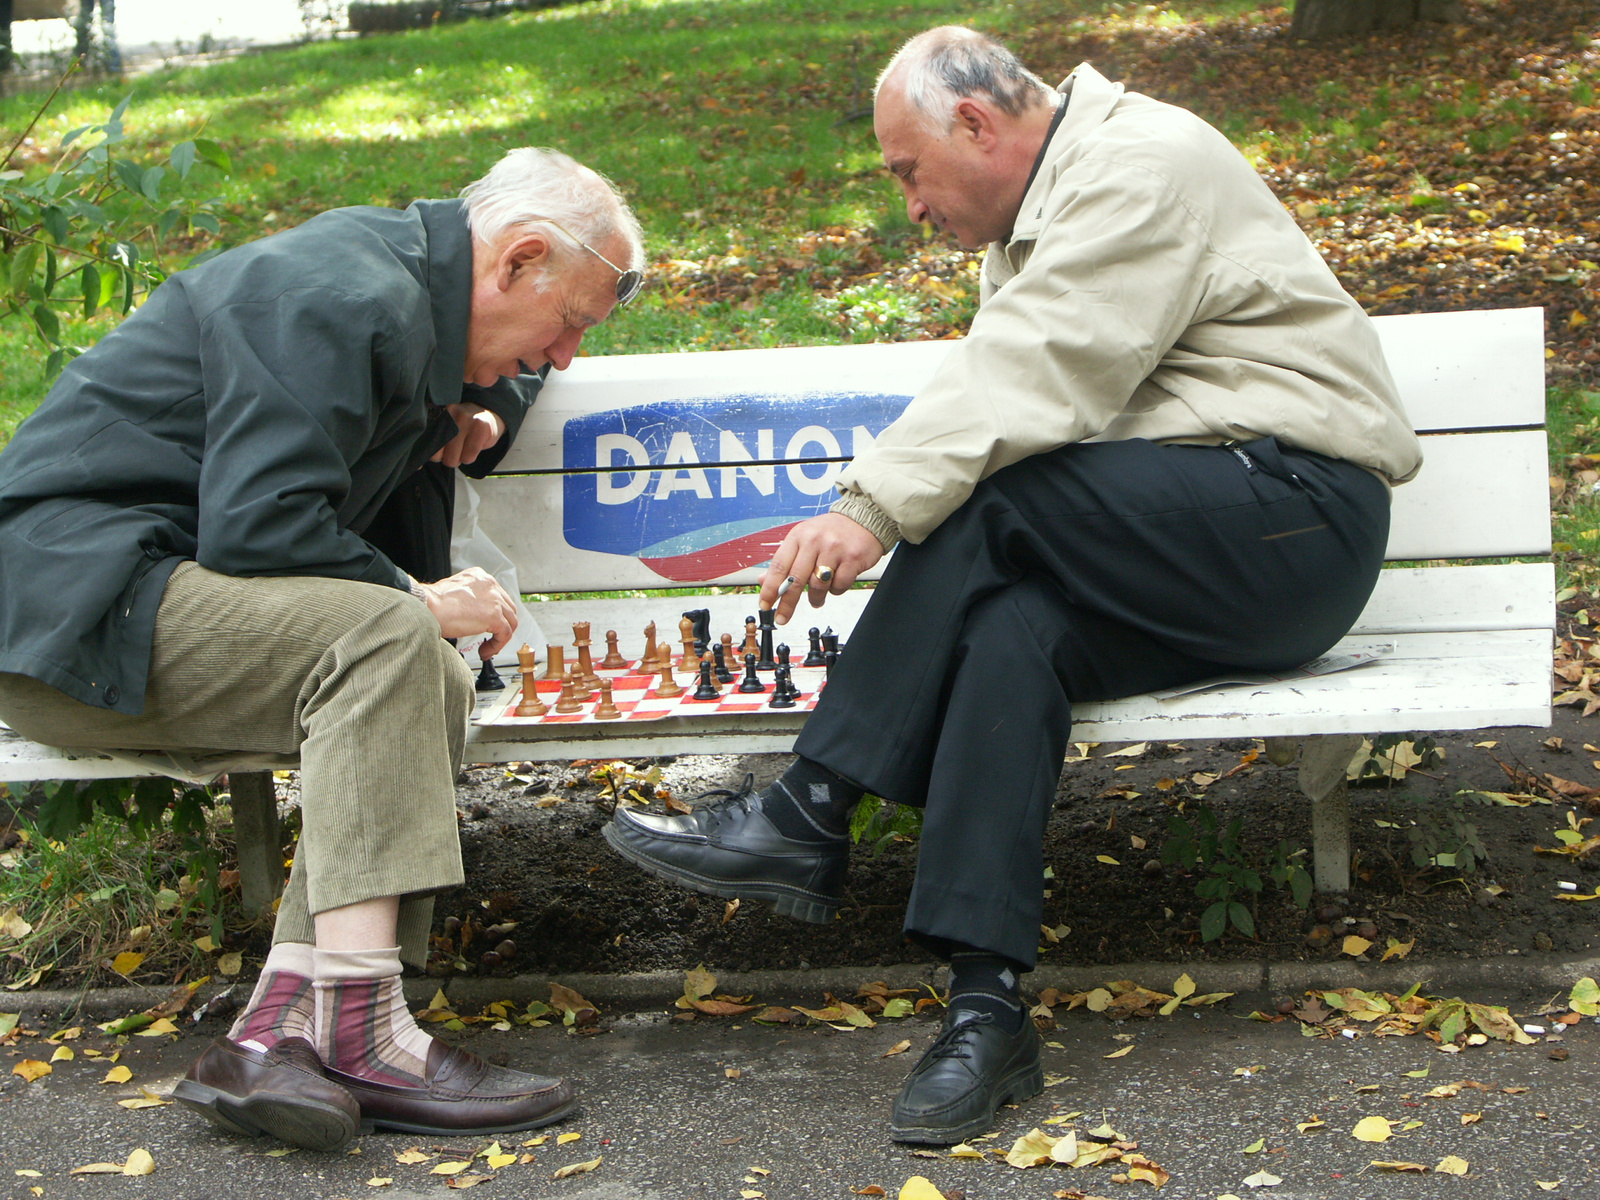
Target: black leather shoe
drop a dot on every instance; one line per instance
(731, 848)
(972, 1068)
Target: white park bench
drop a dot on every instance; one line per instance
(730, 447)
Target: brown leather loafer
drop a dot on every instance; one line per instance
(462, 1095)
(282, 1091)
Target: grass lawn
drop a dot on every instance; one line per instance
(737, 129)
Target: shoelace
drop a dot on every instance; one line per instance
(949, 1045)
(742, 796)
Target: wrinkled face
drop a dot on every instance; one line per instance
(947, 180)
(519, 321)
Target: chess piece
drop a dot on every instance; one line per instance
(555, 666)
(668, 687)
(708, 689)
(613, 661)
(783, 655)
(830, 641)
(489, 679)
(751, 646)
(783, 691)
(531, 705)
(581, 691)
(647, 660)
(729, 659)
(585, 669)
(690, 660)
(813, 656)
(751, 681)
(607, 709)
(719, 654)
(829, 657)
(700, 622)
(568, 701)
(764, 654)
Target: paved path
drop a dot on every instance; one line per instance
(150, 32)
(686, 1110)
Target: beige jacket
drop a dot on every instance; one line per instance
(1153, 287)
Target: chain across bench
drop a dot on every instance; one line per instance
(683, 471)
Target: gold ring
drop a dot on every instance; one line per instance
(825, 574)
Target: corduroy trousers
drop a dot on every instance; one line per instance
(352, 677)
(1096, 571)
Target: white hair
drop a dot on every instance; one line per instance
(534, 186)
(940, 67)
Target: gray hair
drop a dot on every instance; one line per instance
(940, 67)
(534, 186)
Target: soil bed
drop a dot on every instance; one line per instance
(579, 908)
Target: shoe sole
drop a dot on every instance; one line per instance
(374, 1124)
(308, 1124)
(1024, 1085)
(786, 901)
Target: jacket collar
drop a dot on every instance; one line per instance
(1093, 98)
(449, 283)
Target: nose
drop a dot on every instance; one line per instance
(561, 351)
(916, 210)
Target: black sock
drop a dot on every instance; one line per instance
(810, 803)
(986, 983)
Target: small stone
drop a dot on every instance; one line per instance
(490, 959)
(1559, 1054)
(1087, 827)
(1367, 930)
(1153, 868)
(1329, 913)
(537, 788)
(506, 949)
(1484, 898)
(1286, 1005)
(1320, 936)
(452, 925)
(1543, 941)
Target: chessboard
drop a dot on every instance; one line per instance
(660, 683)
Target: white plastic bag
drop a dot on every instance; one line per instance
(471, 547)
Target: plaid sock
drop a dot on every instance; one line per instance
(363, 1027)
(281, 1006)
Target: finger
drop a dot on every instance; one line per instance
(800, 570)
(777, 571)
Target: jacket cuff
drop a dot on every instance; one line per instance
(865, 513)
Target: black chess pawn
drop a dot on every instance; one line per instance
(767, 620)
(830, 641)
(813, 656)
(707, 690)
(783, 655)
(751, 681)
(721, 671)
(783, 689)
(488, 678)
(828, 659)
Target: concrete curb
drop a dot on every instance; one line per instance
(655, 989)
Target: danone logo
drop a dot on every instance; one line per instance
(699, 489)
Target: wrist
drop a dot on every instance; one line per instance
(417, 589)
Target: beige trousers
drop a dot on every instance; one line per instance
(352, 677)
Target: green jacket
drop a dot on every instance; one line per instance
(252, 415)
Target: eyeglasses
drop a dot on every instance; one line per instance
(628, 282)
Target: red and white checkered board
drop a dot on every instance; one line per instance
(636, 699)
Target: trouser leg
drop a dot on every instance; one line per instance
(351, 676)
(1098, 571)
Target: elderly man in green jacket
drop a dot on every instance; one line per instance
(181, 526)
(1164, 451)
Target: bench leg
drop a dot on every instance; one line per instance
(1322, 765)
(255, 829)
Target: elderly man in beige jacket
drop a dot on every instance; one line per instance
(1163, 451)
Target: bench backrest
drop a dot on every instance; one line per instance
(728, 449)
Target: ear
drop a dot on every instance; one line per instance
(976, 121)
(528, 250)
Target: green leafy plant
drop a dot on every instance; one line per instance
(878, 822)
(88, 234)
(1440, 835)
(1228, 878)
(1391, 755)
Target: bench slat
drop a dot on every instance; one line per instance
(1461, 370)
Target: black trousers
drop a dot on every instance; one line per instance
(1096, 571)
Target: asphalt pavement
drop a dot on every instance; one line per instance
(723, 1107)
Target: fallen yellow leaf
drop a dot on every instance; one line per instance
(500, 1160)
(127, 962)
(1372, 1129)
(140, 1162)
(571, 1169)
(230, 963)
(1355, 946)
(918, 1188)
(63, 1054)
(31, 1069)
(380, 1181)
(449, 1168)
(899, 1047)
(1107, 859)
(1471, 1118)
(1451, 1165)
(100, 1168)
(563, 1139)
(1119, 1053)
(118, 1075)
(410, 1157)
